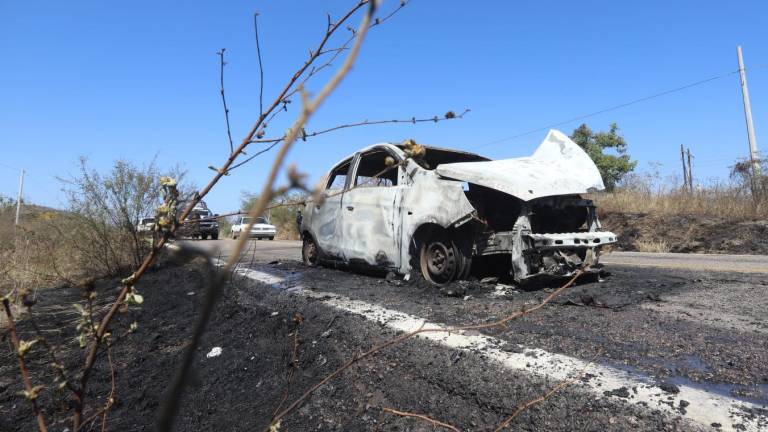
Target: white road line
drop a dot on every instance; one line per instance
(704, 407)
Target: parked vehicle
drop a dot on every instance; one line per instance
(200, 223)
(444, 212)
(146, 225)
(259, 230)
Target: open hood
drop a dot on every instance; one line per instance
(558, 167)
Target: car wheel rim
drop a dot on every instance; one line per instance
(439, 261)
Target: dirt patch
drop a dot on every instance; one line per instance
(691, 233)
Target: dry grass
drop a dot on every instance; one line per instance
(644, 194)
(654, 246)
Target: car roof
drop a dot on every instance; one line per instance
(398, 149)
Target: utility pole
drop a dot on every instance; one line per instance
(685, 170)
(18, 199)
(690, 172)
(753, 155)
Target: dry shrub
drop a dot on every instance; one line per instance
(647, 194)
(95, 236)
(655, 246)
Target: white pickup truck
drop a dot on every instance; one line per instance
(260, 229)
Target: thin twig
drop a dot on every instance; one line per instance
(224, 99)
(406, 336)
(111, 397)
(423, 417)
(563, 384)
(261, 67)
(55, 363)
(31, 392)
(214, 282)
(413, 120)
(94, 349)
(294, 367)
(307, 110)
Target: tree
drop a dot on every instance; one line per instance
(612, 167)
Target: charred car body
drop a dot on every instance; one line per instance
(447, 213)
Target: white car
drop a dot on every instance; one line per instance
(259, 230)
(446, 213)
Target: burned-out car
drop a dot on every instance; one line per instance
(446, 214)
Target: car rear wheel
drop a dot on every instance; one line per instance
(310, 253)
(215, 236)
(272, 238)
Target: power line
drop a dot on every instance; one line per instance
(9, 167)
(613, 108)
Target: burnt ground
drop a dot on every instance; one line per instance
(688, 233)
(702, 329)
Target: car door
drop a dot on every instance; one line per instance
(325, 218)
(371, 220)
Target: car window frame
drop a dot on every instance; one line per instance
(328, 181)
(359, 156)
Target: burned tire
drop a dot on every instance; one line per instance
(310, 253)
(439, 259)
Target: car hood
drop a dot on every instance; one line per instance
(558, 167)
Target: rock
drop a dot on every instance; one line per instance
(622, 392)
(669, 387)
(489, 280)
(214, 352)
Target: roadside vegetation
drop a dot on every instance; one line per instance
(94, 236)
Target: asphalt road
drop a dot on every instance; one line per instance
(668, 341)
(265, 250)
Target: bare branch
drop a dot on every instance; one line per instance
(399, 339)
(309, 108)
(423, 417)
(450, 115)
(214, 282)
(563, 384)
(261, 67)
(294, 365)
(30, 391)
(224, 99)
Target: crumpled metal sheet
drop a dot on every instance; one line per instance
(558, 167)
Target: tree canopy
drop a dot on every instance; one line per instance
(613, 166)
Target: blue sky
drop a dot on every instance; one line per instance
(139, 80)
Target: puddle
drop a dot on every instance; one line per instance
(754, 393)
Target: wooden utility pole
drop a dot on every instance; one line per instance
(18, 198)
(685, 170)
(753, 155)
(690, 171)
